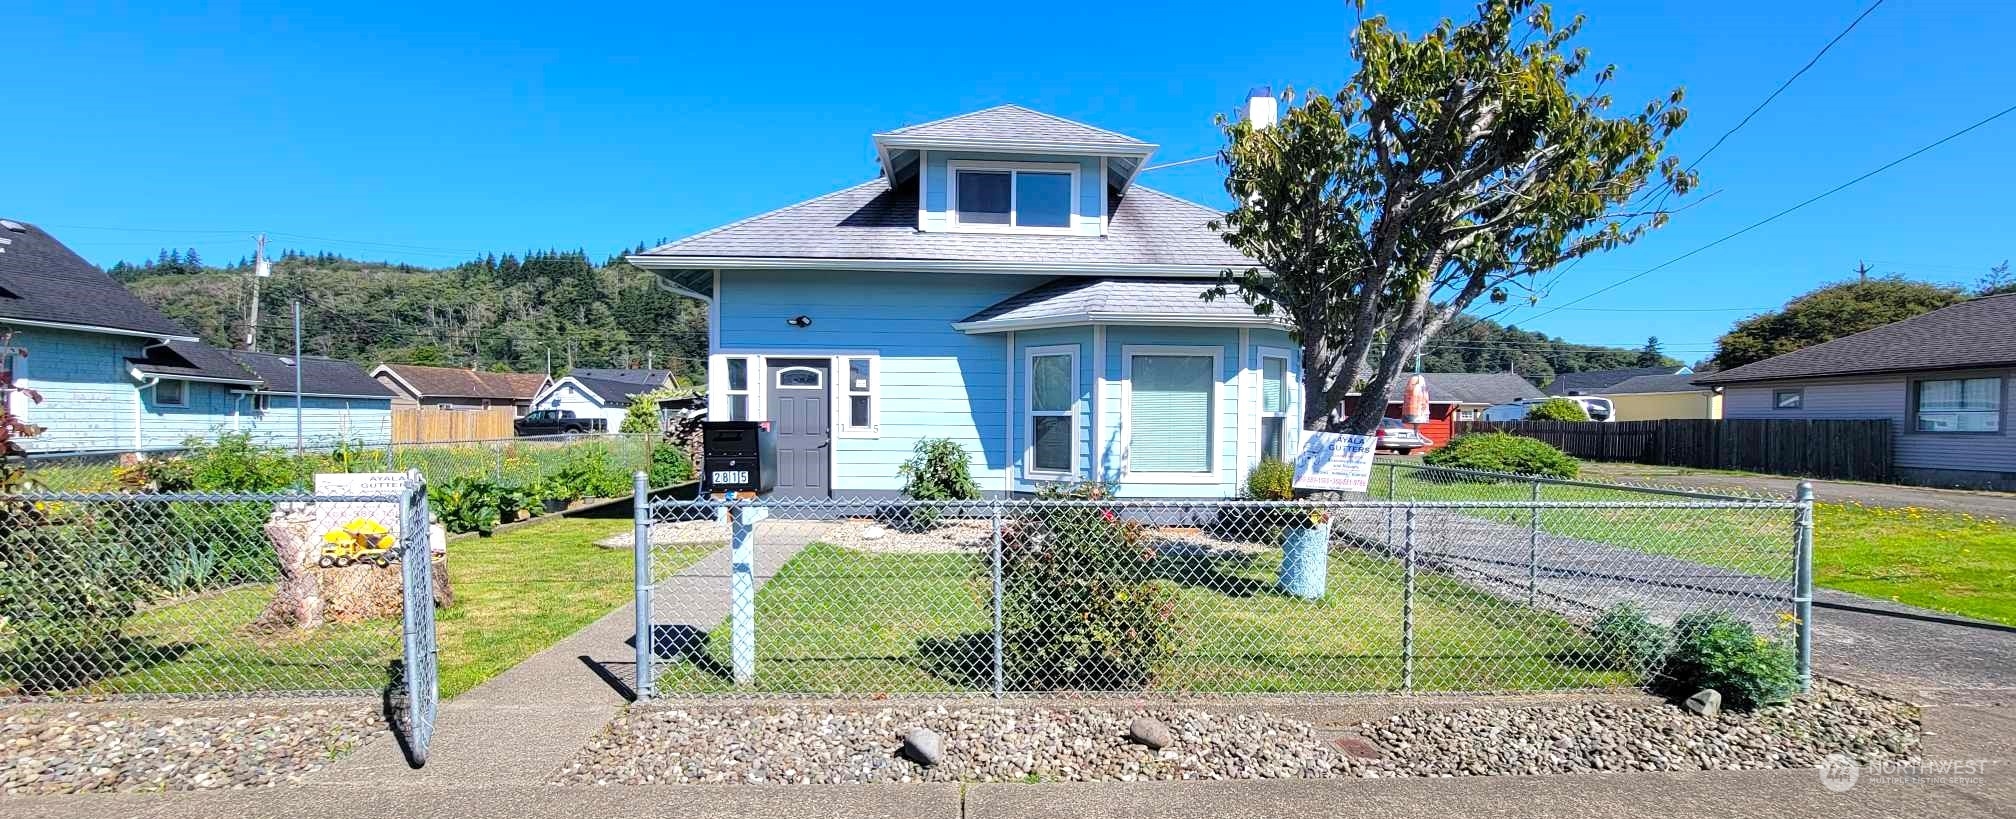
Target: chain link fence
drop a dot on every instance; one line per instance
(201, 594)
(1505, 589)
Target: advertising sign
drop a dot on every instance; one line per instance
(1335, 462)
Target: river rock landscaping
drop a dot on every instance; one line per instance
(47, 751)
(795, 744)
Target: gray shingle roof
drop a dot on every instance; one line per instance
(1469, 388)
(455, 382)
(42, 280)
(871, 221)
(1590, 382)
(192, 359)
(319, 376)
(1016, 123)
(1976, 333)
(613, 393)
(1654, 383)
(649, 378)
(1068, 298)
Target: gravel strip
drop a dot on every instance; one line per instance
(790, 744)
(44, 752)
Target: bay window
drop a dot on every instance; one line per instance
(1274, 441)
(1051, 384)
(1170, 411)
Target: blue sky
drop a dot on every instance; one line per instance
(427, 132)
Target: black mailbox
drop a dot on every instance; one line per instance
(738, 456)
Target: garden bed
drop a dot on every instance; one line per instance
(52, 750)
(807, 745)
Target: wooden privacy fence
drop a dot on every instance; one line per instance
(427, 425)
(1858, 450)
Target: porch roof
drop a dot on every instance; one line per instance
(1077, 301)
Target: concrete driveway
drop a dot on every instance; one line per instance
(2000, 505)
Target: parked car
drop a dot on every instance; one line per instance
(1395, 435)
(1599, 409)
(557, 422)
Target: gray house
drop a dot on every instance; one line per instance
(1945, 380)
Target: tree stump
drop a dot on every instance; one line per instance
(297, 598)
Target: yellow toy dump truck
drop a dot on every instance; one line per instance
(359, 541)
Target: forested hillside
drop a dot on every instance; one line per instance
(498, 312)
(507, 312)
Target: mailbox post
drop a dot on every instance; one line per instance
(739, 461)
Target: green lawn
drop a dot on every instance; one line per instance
(834, 620)
(515, 594)
(1939, 560)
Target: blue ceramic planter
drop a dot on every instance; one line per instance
(1305, 561)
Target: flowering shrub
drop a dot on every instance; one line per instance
(1080, 608)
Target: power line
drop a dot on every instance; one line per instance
(1776, 216)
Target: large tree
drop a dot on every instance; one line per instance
(1830, 312)
(1451, 166)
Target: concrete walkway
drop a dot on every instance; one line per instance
(525, 723)
(1954, 734)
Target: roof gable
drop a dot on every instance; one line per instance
(454, 382)
(1014, 123)
(42, 281)
(1973, 333)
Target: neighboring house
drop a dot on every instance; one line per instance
(1946, 379)
(339, 401)
(1599, 382)
(1653, 397)
(601, 393)
(413, 385)
(1454, 397)
(115, 374)
(1006, 285)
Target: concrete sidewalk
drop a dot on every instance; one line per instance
(528, 721)
(1953, 734)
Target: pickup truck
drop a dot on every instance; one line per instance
(557, 422)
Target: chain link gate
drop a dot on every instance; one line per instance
(1505, 591)
(421, 671)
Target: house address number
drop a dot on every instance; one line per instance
(728, 476)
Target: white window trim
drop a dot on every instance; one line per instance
(16, 403)
(1211, 444)
(953, 167)
(180, 402)
(1290, 431)
(718, 374)
(844, 398)
(1029, 414)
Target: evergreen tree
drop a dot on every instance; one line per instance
(1650, 355)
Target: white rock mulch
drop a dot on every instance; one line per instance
(55, 751)
(793, 744)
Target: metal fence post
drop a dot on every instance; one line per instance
(1391, 493)
(1407, 611)
(641, 546)
(1802, 585)
(1533, 551)
(1000, 668)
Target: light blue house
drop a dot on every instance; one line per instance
(1005, 284)
(116, 375)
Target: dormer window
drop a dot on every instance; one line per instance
(1030, 197)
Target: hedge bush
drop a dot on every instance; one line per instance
(1624, 638)
(1081, 609)
(1557, 409)
(938, 470)
(1500, 452)
(1716, 650)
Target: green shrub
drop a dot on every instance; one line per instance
(467, 504)
(669, 465)
(1557, 409)
(1500, 452)
(235, 464)
(1271, 480)
(938, 470)
(1624, 638)
(66, 591)
(1080, 608)
(1716, 650)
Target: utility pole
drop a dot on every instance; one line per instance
(260, 269)
(650, 359)
(570, 354)
(297, 380)
(1862, 270)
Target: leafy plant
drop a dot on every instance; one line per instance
(1271, 480)
(669, 464)
(1080, 608)
(1716, 650)
(467, 504)
(66, 591)
(1624, 638)
(1500, 452)
(938, 470)
(1557, 409)
(234, 464)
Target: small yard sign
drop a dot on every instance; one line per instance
(333, 516)
(1335, 462)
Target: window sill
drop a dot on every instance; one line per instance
(1170, 477)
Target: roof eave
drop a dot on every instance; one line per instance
(93, 328)
(1005, 266)
(1711, 379)
(1103, 317)
(885, 142)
